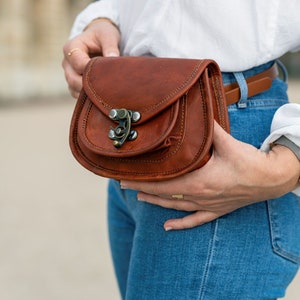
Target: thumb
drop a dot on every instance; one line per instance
(224, 144)
(220, 136)
(110, 42)
(103, 36)
(110, 50)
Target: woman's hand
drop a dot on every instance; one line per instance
(100, 37)
(237, 175)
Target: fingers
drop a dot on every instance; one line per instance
(179, 185)
(202, 182)
(184, 205)
(74, 62)
(196, 219)
(110, 46)
(76, 54)
(73, 79)
(100, 38)
(107, 37)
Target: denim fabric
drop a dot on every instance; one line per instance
(252, 253)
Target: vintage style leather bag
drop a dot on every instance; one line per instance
(146, 118)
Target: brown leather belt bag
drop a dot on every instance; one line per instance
(146, 118)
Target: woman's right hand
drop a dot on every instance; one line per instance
(100, 37)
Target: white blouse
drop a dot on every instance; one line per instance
(252, 32)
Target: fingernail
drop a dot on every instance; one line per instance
(112, 54)
(168, 228)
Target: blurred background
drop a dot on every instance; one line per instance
(31, 37)
(53, 233)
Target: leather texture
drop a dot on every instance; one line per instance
(177, 100)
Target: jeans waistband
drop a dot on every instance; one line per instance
(229, 77)
(238, 80)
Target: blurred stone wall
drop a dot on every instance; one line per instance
(31, 38)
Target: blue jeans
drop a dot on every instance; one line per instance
(251, 253)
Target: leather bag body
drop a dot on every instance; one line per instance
(146, 118)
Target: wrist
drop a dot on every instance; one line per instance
(286, 167)
(284, 141)
(295, 149)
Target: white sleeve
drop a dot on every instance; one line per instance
(97, 9)
(286, 122)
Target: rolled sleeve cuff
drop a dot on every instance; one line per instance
(93, 11)
(286, 123)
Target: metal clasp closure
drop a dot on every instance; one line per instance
(123, 131)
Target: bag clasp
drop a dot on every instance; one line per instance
(123, 132)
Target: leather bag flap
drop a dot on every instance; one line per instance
(144, 84)
(151, 86)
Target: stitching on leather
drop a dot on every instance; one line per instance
(174, 92)
(156, 161)
(217, 86)
(101, 148)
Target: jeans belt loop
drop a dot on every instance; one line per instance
(240, 79)
(283, 70)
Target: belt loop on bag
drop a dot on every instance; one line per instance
(240, 79)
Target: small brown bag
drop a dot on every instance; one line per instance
(146, 118)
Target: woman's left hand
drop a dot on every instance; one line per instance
(237, 175)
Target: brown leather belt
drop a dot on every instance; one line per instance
(256, 84)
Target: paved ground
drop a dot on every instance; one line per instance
(53, 240)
